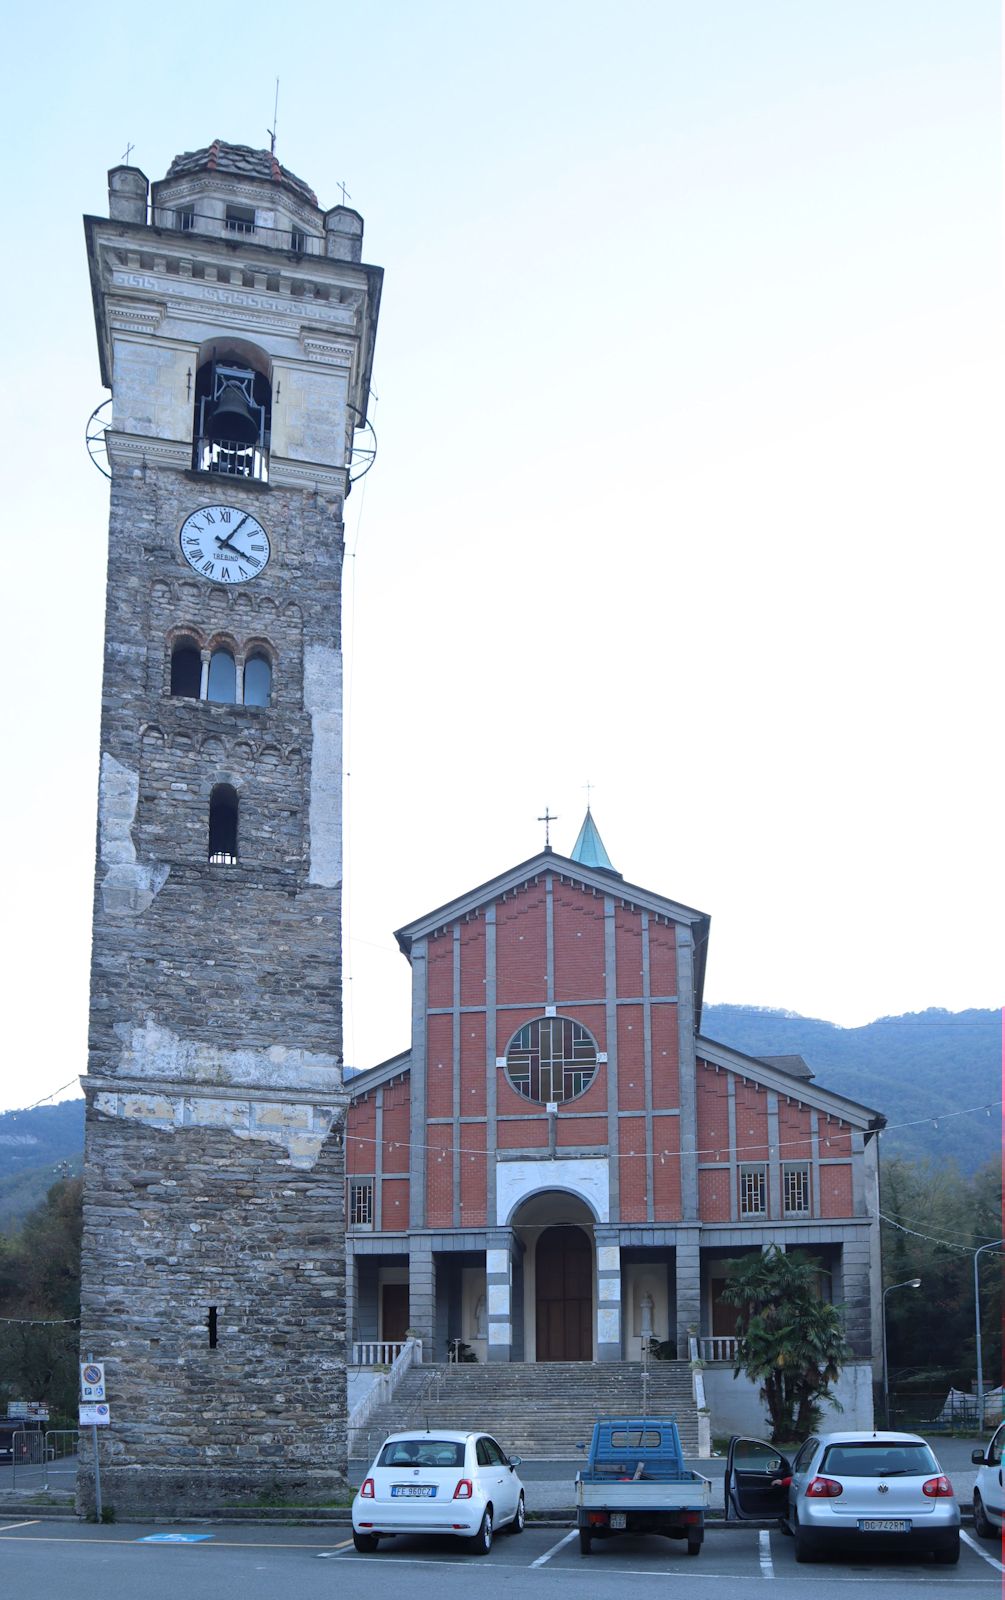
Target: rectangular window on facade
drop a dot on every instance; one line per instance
(360, 1208)
(796, 1190)
(754, 1190)
(184, 219)
(240, 219)
(298, 239)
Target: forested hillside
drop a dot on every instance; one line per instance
(37, 1148)
(925, 1065)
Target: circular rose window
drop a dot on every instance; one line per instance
(553, 1058)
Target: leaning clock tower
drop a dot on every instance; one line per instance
(236, 324)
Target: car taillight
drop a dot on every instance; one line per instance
(366, 1492)
(823, 1489)
(938, 1488)
(464, 1490)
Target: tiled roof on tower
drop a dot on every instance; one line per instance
(241, 161)
(588, 849)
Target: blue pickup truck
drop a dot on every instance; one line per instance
(635, 1481)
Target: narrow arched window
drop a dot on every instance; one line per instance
(257, 681)
(222, 678)
(223, 826)
(186, 669)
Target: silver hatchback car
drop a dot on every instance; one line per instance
(847, 1492)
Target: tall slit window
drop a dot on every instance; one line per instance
(186, 669)
(223, 826)
(222, 678)
(551, 1059)
(257, 681)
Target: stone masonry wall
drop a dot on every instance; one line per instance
(214, 1170)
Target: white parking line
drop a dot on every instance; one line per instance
(8, 1525)
(346, 1544)
(555, 1549)
(983, 1553)
(764, 1554)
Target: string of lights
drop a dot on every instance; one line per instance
(39, 1322)
(951, 1244)
(723, 1152)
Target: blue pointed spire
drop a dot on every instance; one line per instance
(588, 849)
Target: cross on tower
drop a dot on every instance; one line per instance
(547, 819)
(345, 193)
(589, 790)
(128, 152)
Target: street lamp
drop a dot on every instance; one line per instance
(977, 1316)
(908, 1283)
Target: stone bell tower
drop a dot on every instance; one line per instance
(236, 325)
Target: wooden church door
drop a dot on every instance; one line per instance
(564, 1276)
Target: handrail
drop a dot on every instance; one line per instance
(382, 1390)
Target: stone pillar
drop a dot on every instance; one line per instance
(608, 1294)
(688, 1287)
(855, 1292)
(422, 1294)
(351, 1299)
(127, 194)
(344, 234)
(499, 1293)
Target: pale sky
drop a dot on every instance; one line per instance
(689, 417)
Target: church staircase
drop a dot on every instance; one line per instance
(539, 1411)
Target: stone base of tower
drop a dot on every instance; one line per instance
(214, 1294)
(131, 1494)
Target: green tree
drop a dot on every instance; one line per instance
(791, 1341)
(40, 1301)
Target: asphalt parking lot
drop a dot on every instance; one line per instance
(251, 1563)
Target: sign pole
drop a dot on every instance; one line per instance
(97, 1468)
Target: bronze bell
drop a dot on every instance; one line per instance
(232, 418)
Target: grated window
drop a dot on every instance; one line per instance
(796, 1189)
(754, 1191)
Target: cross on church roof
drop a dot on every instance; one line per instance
(547, 819)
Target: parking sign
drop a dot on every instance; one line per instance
(92, 1380)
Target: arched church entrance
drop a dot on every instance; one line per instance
(564, 1279)
(555, 1289)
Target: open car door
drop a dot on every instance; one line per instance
(750, 1490)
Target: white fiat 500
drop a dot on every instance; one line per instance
(461, 1484)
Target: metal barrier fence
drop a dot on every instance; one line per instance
(43, 1460)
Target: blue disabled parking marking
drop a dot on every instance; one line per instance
(174, 1538)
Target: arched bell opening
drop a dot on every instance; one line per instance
(186, 668)
(233, 411)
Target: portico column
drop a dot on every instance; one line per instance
(422, 1295)
(688, 1257)
(499, 1293)
(608, 1294)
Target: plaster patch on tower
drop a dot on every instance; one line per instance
(323, 701)
(156, 1053)
(129, 885)
(301, 1130)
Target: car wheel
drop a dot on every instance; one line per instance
(366, 1543)
(585, 1542)
(948, 1555)
(517, 1525)
(803, 1549)
(693, 1544)
(982, 1525)
(481, 1544)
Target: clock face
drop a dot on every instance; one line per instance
(225, 544)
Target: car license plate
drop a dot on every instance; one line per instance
(414, 1491)
(884, 1525)
(619, 1519)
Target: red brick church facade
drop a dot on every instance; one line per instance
(562, 1163)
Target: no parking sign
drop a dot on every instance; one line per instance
(92, 1380)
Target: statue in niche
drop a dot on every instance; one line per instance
(646, 1309)
(480, 1317)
